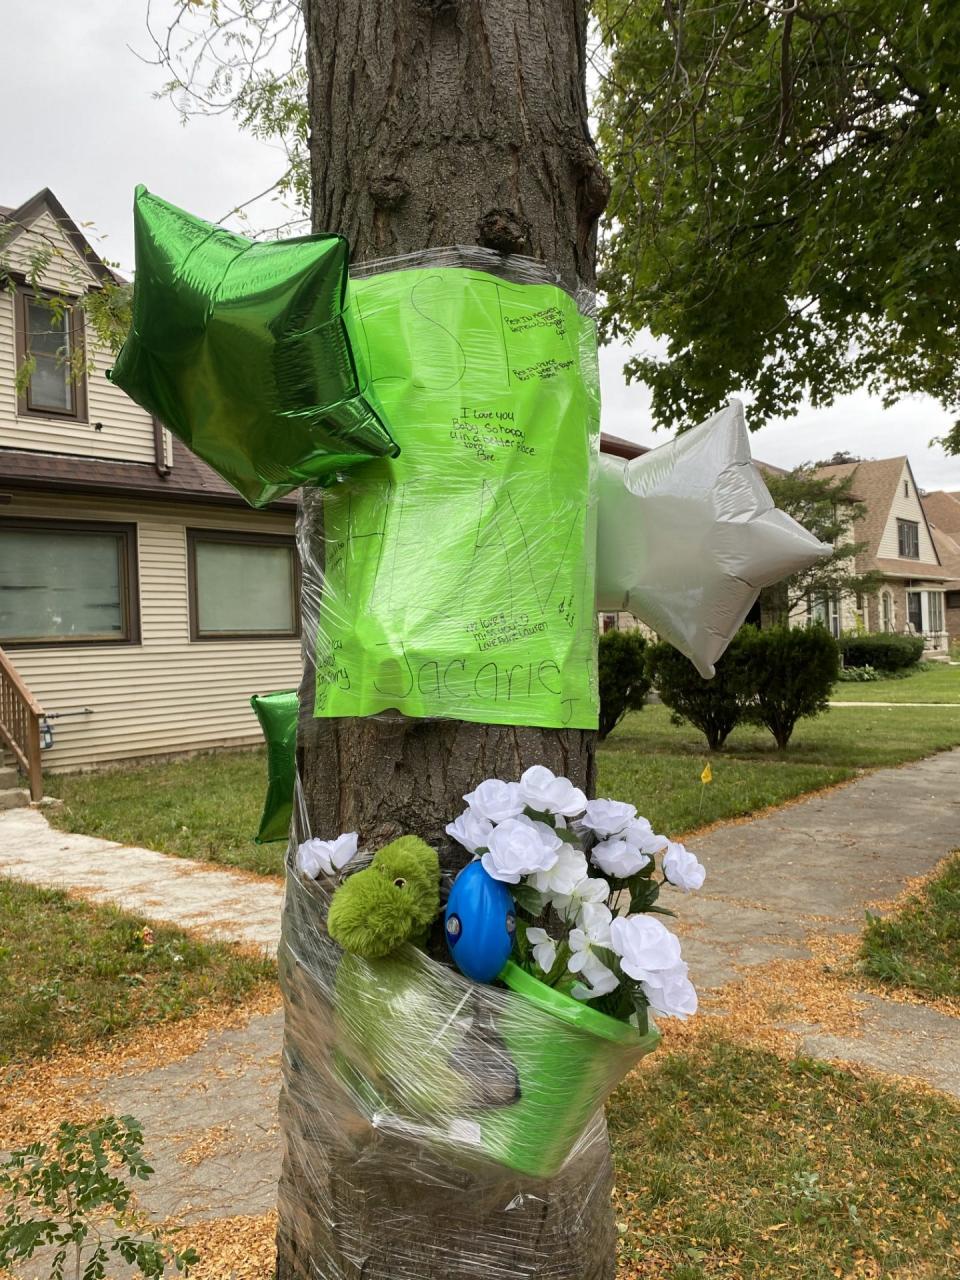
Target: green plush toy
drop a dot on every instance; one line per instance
(391, 902)
(407, 1041)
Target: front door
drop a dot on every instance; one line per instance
(915, 611)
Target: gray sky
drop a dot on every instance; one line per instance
(90, 129)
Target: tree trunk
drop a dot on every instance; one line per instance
(441, 122)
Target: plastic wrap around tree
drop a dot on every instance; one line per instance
(404, 1082)
(457, 579)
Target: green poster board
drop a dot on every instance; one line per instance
(458, 578)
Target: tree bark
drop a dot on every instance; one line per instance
(433, 123)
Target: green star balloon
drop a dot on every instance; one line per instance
(277, 713)
(241, 350)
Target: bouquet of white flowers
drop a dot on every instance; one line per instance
(586, 877)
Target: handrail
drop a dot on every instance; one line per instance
(20, 717)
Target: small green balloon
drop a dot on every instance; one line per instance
(241, 350)
(277, 713)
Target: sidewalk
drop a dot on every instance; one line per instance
(226, 905)
(813, 868)
(950, 706)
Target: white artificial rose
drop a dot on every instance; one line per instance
(601, 979)
(543, 791)
(642, 836)
(671, 992)
(617, 858)
(495, 800)
(593, 931)
(325, 857)
(589, 889)
(518, 847)
(470, 830)
(544, 948)
(567, 872)
(644, 946)
(607, 817)
(682, 868)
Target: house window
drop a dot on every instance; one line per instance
(63, 582)
(908, 539)
(934, 611)
(886, 607)
(953, 599)
(906, 488)
(49, 336)
(826, 611)
(915, 611)
(243, 586)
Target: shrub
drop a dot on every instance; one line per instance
(883, 650)
(788, 673)
(72, 1198)
(624, 682)
(716, 706)
(859, 675)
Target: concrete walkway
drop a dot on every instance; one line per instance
(224, 904)
(952, 706)
(811, 867)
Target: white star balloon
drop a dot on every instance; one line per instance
(688, 534)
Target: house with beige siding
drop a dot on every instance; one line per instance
(141, 601)
(898, 544)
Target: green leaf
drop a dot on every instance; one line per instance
(528, 899)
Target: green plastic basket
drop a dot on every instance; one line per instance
(569, 1058)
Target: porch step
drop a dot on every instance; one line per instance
(14, 798)
(8, 776)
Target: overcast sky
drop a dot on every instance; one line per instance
(90, 128)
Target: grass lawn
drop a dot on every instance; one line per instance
(209, 807)
(732, 1162)
(657, 765)
(71, 972)
(919, 947)
(940, 684)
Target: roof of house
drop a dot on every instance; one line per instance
(874, 483)
(21, 216)
(942, 508)
(187, 480)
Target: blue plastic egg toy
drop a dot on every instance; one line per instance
(480, 922)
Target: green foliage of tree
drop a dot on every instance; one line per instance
(884, 652)
(73, 1196)
(623, 678)
(783, 216)
(826, 506)
(715, 706)
(787, 673)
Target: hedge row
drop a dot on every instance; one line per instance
(772, 677)
(882, 651)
